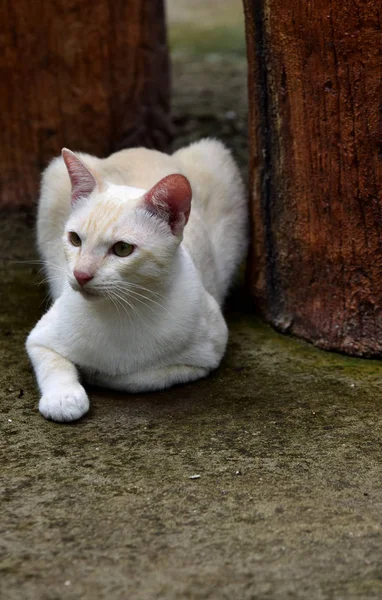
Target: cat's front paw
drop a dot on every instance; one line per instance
(64, 403)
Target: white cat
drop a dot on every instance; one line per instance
(137, 276)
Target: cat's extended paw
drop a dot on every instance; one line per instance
(64, 403)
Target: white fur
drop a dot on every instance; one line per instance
(167, 326)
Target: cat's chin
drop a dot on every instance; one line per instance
(88, 294)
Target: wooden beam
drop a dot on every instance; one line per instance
(315, 142)
(92, 75)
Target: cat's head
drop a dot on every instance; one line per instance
(119, 238)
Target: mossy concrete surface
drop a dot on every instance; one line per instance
(285, 439)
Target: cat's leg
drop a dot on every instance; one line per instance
(63, 397)
(150, 380)
(165, 377)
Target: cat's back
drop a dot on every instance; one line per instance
(217, 232)
(138, 167)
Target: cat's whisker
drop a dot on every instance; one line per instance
(123, 301)
(57, 268)
(109, 296)
(42, 282)
(44, 263)
(134, 308)
(128, 285)
(132, 296)
(49, 278)
(27, 262)
(137, 299)
(45, 300)
(120, 303)
(46, 280)
(137, 295)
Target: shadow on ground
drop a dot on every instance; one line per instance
(285, 439)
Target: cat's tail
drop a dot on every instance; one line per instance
(218, 191)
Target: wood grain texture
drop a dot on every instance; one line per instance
(316, 149)
(92, 75)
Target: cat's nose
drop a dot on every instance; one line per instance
(82, 277)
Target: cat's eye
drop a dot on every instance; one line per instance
(74, 238)
(122, 249)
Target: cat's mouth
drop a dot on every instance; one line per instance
(88, 294)
(85, 292)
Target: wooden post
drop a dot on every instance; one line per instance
(92, 75)
(316, 149)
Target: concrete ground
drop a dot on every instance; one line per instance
(285, 439)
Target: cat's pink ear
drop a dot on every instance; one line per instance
(170, 199)
(83, 181)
